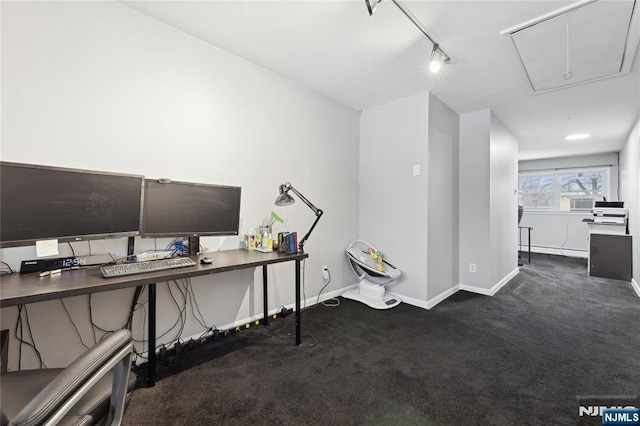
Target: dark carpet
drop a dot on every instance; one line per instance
(520, 357)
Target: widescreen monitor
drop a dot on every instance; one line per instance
(187, 209)
(43, 202)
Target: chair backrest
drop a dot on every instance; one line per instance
(520, 212)
(114, 352)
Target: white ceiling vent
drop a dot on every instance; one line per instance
(583, 42)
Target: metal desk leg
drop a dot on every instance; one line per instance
(298, 313)
(4, 343)
(519, 245)
(151, 363)
(529, 241)
(265, 320)
(528, 228)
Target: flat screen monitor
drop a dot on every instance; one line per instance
(175, 209)
(42, 202)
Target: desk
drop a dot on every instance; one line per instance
(19, 289)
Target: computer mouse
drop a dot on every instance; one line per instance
(206, 260)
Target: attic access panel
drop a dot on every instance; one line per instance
(592, 41)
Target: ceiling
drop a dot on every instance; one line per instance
(571, 42)
(336, 48)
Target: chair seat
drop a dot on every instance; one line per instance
(19, 387)
(94, 388)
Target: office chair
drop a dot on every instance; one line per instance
(93, 389)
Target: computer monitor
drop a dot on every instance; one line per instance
(43, 202)
(187, 209)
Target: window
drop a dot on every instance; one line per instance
(579, 190)
(536, 191)
(567, 190)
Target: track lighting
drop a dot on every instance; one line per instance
(371, 5)
(438, 57)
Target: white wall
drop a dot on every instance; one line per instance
(630, 194)
(412, 219)
(474, 198)
(561, 233)
(96, 85)
(503, 208)
(442, 216)
(564, 233)
(488, 204)
(393, 202)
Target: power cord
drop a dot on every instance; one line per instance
(73, 324)
(333, 302)
(19, 325)
(7, 269)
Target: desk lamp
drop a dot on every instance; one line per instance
(284, 199)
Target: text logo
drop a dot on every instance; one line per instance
(598, 410)
(628, 416)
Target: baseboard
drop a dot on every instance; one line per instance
(584, 254)
(411, 301)
(326, 296)
(473, 289)
(493, 290)
(428, 304)
(252, 319)
(453, 290)
(442, 296)
(635, 286)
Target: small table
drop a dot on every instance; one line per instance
(528, 228)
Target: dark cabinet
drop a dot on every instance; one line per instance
(610, 256)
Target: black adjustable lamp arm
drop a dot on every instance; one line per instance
(317, 211)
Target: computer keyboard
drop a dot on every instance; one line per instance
(142, 267)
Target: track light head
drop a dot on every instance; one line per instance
(438, 58)
(372, 5)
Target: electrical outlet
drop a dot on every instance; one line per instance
(325, 272)
(472, 268)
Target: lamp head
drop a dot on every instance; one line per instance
(284, 199)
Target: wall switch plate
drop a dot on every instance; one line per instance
(472, 268)
(416, 169)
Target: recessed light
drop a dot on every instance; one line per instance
(577, 136)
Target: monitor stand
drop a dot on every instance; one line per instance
(131, 242)
(194, 245)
